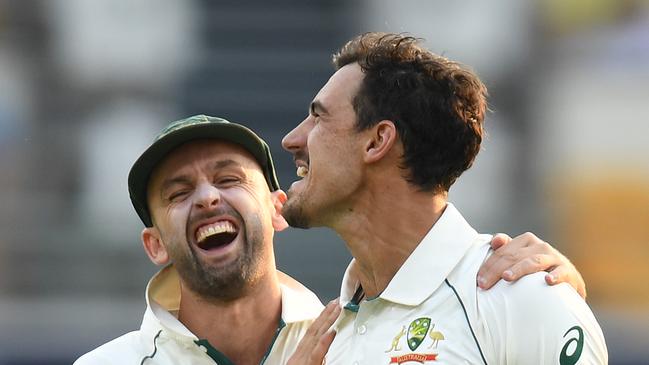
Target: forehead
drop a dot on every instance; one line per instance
(342, 85)
(199, 153)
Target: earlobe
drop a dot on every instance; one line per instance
(154, 247)
(382, 138)
(279, 198)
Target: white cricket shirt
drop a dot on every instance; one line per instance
(432, 312)
(162, 339)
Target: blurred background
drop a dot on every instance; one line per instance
(85, 85)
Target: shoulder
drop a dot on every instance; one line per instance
(530, 300)
(118, 351)
(299, 304)
(529, 317)
(531, 294)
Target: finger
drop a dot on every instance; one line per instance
(324, 315)
(319, 352)
(331, 316)
(530, 265)
(318, 330)
(499, 240)
(506, 252)
(319, 326)
(527, 239)
(492, 269)
(326, 319)
(519, 249)
(512, 267)
(561, 274)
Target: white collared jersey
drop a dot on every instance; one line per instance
(433, 313)
(163, 339)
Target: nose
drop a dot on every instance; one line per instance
(295, 140)
(207, 196)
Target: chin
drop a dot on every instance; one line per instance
(293, 212)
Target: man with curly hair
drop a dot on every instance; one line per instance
(385, 139)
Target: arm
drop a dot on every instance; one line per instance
(542, 324)
(527, 254)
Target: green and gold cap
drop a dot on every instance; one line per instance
(183, 131)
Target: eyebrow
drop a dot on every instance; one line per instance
(317, 105)
(168, 183)
(186, 179)
(221, 164)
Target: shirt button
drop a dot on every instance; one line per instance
(361, 329)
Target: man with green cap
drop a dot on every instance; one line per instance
(208, 196)
(207, 193)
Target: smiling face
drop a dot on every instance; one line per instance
(327, 152)
(214, 218)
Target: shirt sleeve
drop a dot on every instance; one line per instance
(530, 322)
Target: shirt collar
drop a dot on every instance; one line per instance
(350, 283)
(298, 303)
(427, 266)
(163, 298)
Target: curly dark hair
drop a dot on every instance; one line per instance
(437, 106)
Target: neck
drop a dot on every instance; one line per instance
(384, 227)
(254, 318)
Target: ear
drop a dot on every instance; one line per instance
(279, 198)
(154, 247)
(381, 139)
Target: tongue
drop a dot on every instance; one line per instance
(217, 240)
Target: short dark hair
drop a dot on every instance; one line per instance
(437, 105)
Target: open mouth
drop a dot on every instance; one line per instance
(302, 171)
(215, 235)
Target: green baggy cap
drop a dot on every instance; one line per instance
(183, 131)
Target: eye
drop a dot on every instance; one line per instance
(228, 181)
(178, 195)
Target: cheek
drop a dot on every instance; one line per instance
(326, 143)
(344, 167)
(247, 200)
(175, 219)
(335, 154)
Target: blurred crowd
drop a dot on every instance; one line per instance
(84, 84)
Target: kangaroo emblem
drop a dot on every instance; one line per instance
(436, 336)
(395, 341)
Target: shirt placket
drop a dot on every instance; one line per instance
(362, 333)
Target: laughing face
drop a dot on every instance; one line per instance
(214, 218)
(326, 149)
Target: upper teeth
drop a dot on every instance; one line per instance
(214, 228)
(302, 171)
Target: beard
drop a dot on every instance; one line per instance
(293, 212)
(229, 282)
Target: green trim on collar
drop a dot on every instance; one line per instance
(355, 302)
(352, 307)
(216, 355)
(220, 359)
(282, 324)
